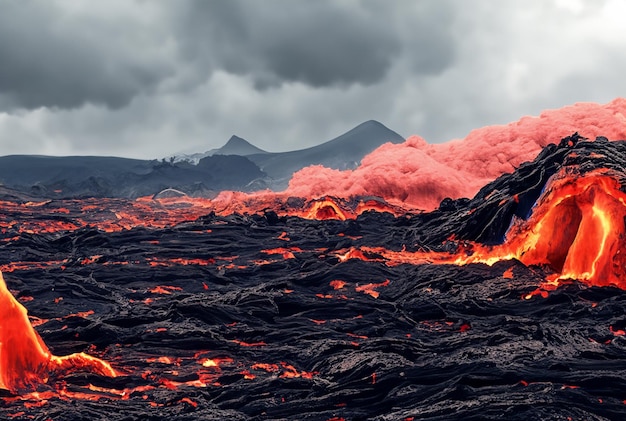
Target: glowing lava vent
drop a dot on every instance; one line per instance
(582, 231)
(565, 212)
(577, 229)
(25, 361)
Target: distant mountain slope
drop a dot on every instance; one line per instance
(90, 176)
(31, 169)
(342, 152)
(238, 165)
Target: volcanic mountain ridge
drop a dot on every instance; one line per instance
(238, 166)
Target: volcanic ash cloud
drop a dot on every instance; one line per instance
(420, 175)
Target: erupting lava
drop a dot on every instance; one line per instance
(25, 361)
(577, 229)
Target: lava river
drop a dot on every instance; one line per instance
(509, 305)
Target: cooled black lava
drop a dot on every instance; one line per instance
(259, 317)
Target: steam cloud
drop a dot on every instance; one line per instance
(421, 175)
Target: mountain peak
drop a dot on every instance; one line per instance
(343, 152)
(236, 141)
(238, 146)
(374, 126)
(371, 123)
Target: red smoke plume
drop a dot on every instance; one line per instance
(420, 175)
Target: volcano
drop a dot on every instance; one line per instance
(508, 305)
(341, 153)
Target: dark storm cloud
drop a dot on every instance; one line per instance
(148, 79)
(320, 43)
(50, 58)
(56, 56)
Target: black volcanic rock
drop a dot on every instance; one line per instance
(343, 152)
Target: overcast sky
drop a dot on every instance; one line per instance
(148, 79)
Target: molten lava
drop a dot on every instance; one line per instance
(25, 360)
(577, 229)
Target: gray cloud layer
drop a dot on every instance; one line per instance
(148, 79)
(56, 58)
(321, 43)
(51, 58)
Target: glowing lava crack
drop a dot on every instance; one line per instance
(25, 360)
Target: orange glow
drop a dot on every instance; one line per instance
(287, 370)
(337, 284)
(248, 344)
(286, 253)
(164, 289)
(164, 360)
(265, 366)
(113, 215)
(94, 393)
(189, 401)
(215, 362)
(508, 274)
(326, 209)
(378, 206)
(358, 253)
(30, 265)
(576, 230)
(370, 289)
(25, 360)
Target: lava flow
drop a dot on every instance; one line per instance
(576, 230)
(276, 307)
(25, 360)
